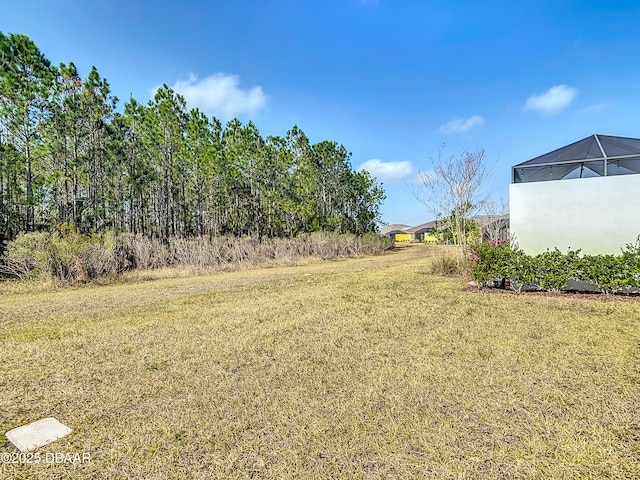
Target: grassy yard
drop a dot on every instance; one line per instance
(364, 368)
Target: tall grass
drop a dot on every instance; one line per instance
(447, 261)
(70, 257)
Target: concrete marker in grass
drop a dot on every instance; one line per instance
(37, 434)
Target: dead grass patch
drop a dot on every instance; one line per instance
(361, 368)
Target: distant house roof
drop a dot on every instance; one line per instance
(484, 220)
(394, 227)
(425, 227)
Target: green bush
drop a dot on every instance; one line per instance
(499, 260)
(554, 268)
(631, 260)
(551, 270)
(607, 271)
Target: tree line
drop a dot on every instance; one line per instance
(70, 157)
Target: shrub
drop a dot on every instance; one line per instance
(607, 271)
(551, 270)
(64, 255)
(631, 260)
(28, 256)
(500, 260)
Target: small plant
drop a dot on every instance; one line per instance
(450, 265)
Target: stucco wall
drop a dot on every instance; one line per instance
(597, 215)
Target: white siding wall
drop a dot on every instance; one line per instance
(597, 215)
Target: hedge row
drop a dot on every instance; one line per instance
(552, 269)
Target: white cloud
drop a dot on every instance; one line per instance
(387, 171)
(220, 95)
(553, 101)
(461, 125)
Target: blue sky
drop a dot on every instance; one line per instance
(393, 81)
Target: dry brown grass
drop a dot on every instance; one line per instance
(363, 368)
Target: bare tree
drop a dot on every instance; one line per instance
(454, 191)
(495, 220)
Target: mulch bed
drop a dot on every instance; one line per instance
(604, 297)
